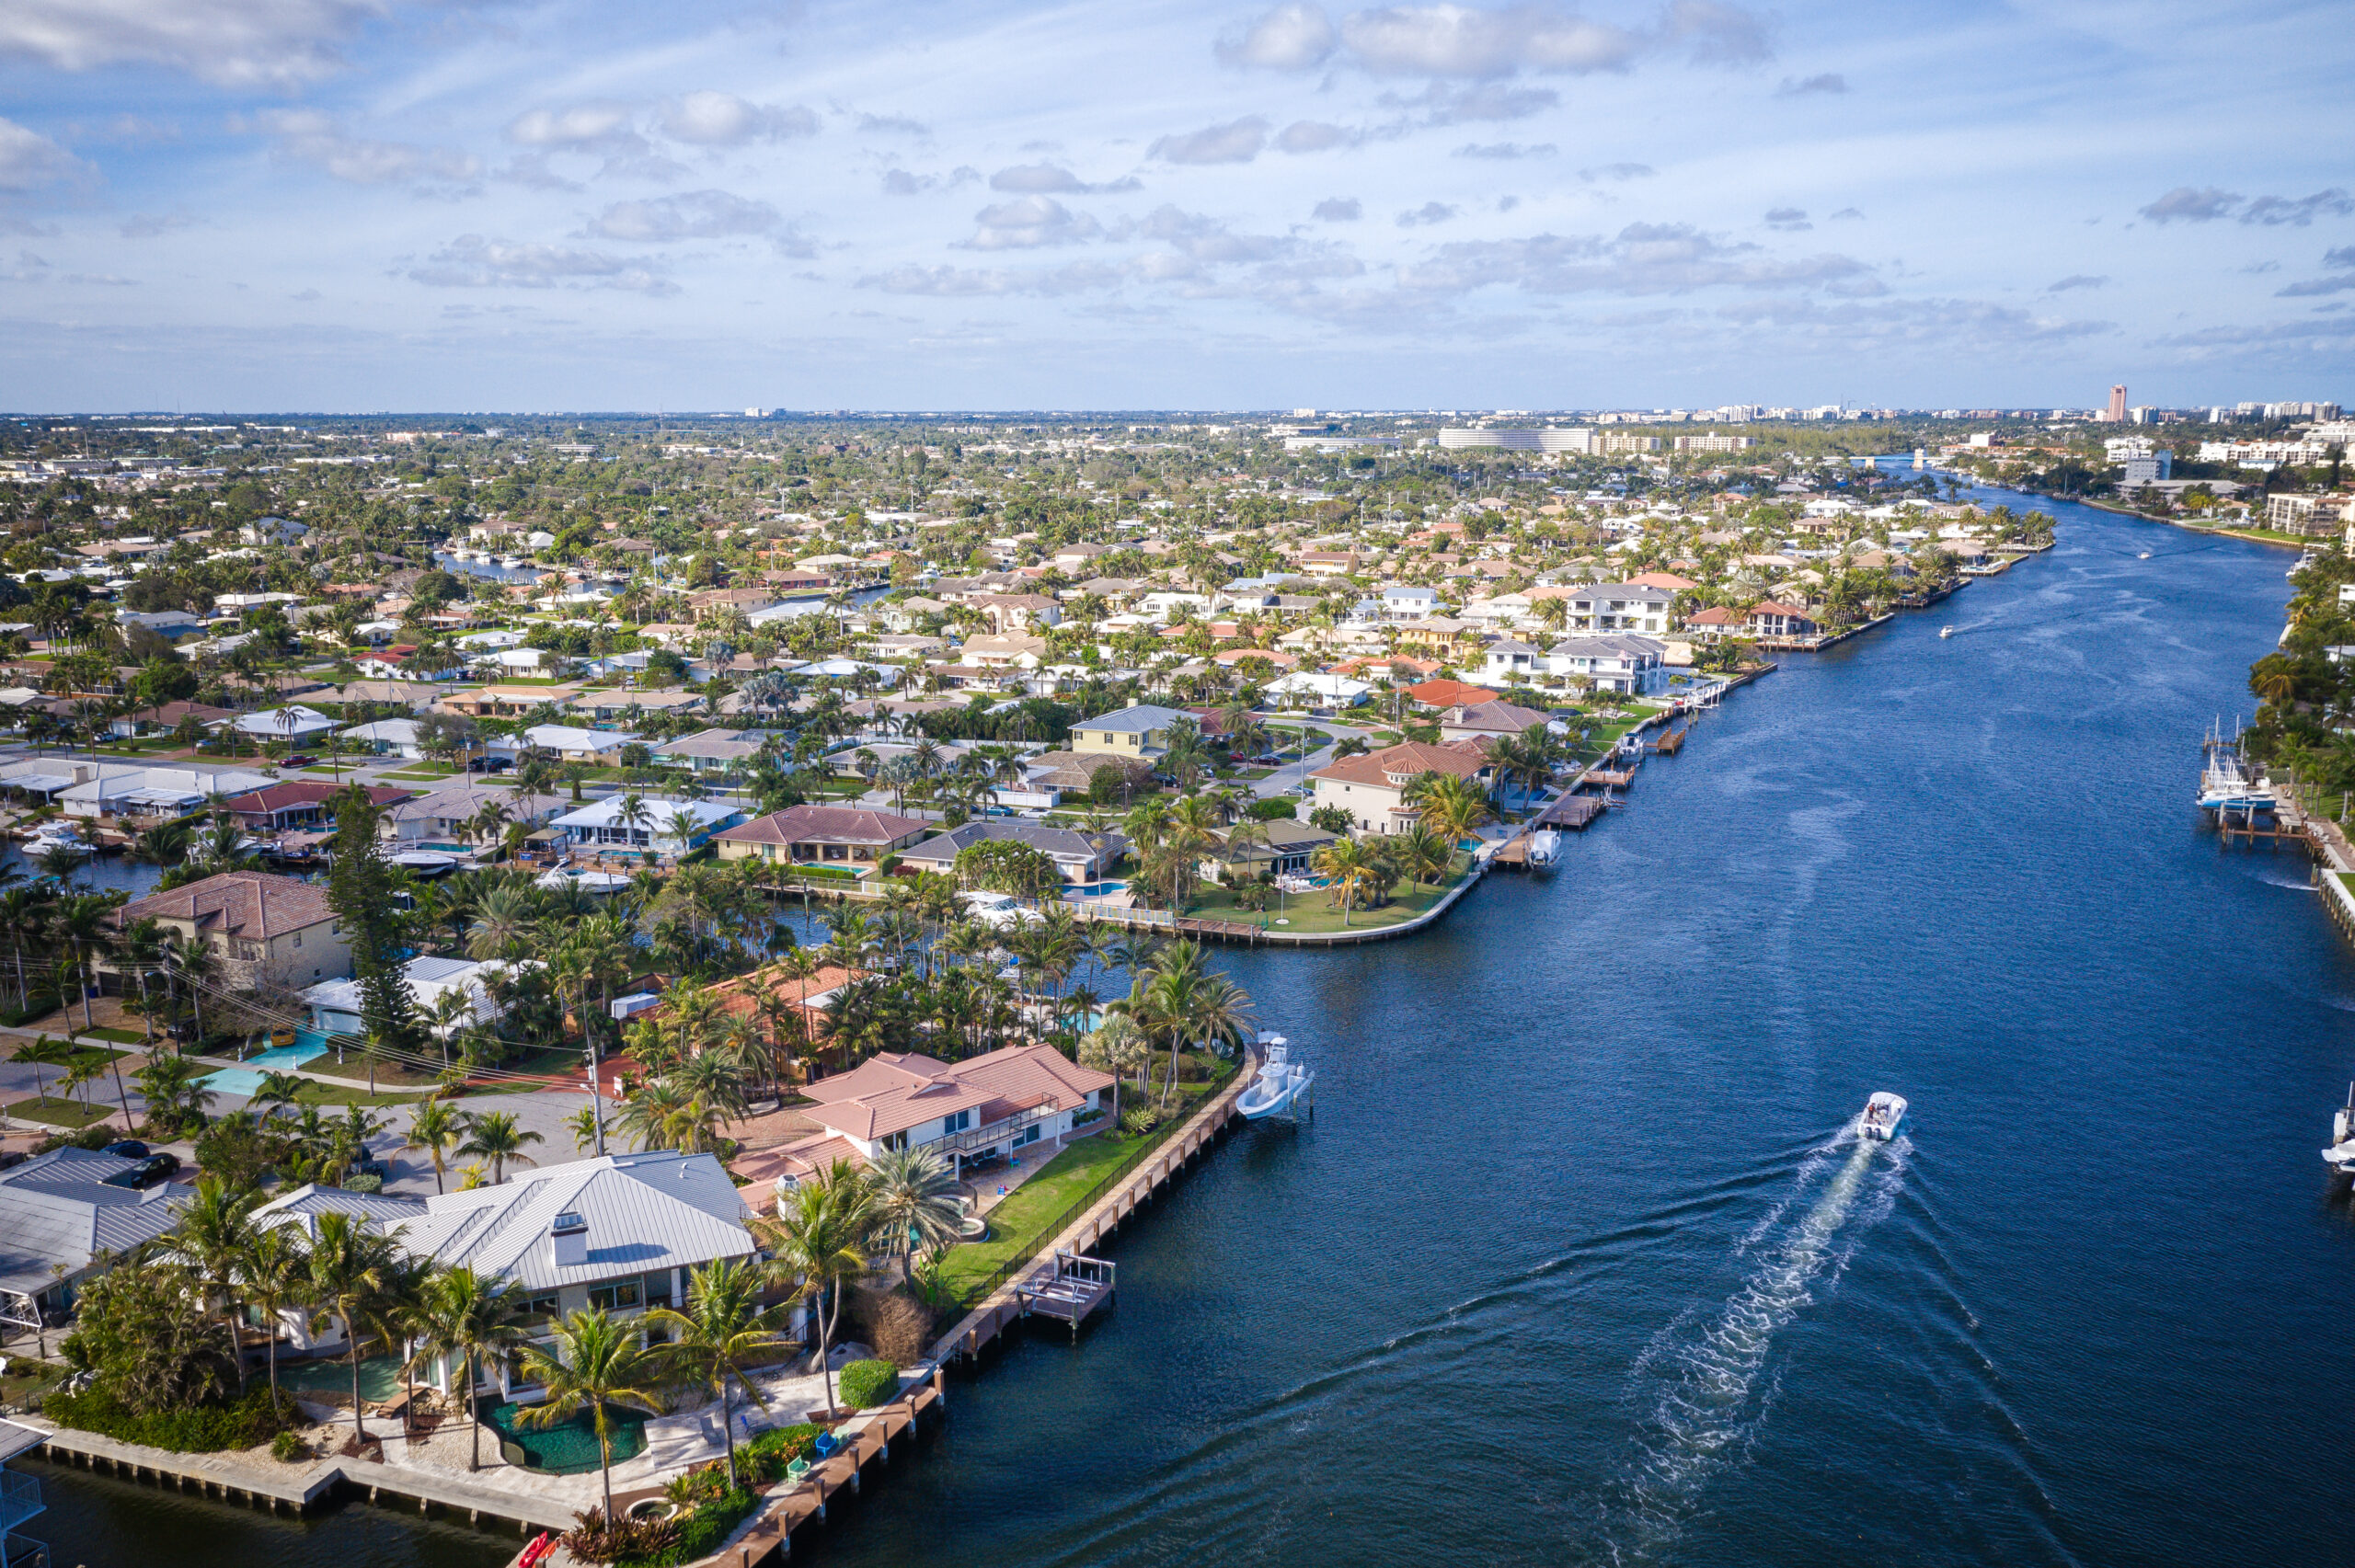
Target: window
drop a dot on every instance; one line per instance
(545, 1305)
(620, 1293)
(955, 1122)
(298, 939)
(1031, 1134)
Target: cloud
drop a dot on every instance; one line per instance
(1204, 239)
(470, 261)
(310, 137)
(1713, 33)
(2078, 280)
(970, 282)
(236, 44)
(30, 160)
(1459, 41)
(2342, 260)
(698, 215)
(1290, 37)
(1041, 178)
(1794, 87)
(596, 126)
(723, 120)
(1235, 141)
(152, 225)
(1847, 214)
(1443, 105)
(1504, 150)
(1339, 210)
(2207, 204)
(2273, 211)
(1030, 223)
(1790, 219)
(1316, 136)
(893, 125)
(1620, 172)
(900, 182)
(1642, 258)
(1428, 213)
(2343, 257)
(2184, 204)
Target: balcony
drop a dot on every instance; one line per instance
(21, 1499)
(23, 1552)
(990, 1133)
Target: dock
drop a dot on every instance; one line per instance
(1075, 1286)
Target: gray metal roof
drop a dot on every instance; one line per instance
(1040, 836)
(1142, 719)
(63, 1215)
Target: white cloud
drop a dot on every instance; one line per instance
(582, 127)
(1205, 239)
(698, 215)
(30, 160)
(1830, 82)
(1290, 37)
(314, 138)
(1458, 41)
(1505, 150)
(1235, 141)
(2077, 281)
(723, 120)
(1428, 213)
(1339, 210)
(470, 261)
(1620, 172)
(1642, 258)
(1789, 219)
(1316, 136)
(1043, 179)
(2207, 204)
(967, 283)
(237, 43)
(1030, 223)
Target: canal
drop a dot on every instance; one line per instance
(1575, 1265)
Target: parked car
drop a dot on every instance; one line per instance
(129, 1148)
(300, 760)
(147, 1172)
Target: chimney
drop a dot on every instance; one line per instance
(568, 1241)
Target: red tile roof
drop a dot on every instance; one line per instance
(1450, 693)
(893, 1092)
(1460, 759)
(251, 904)
(831, 824)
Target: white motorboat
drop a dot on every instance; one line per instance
(2143, 556)
(1280, 1085)
(2340, 1155)
(1883, 1115)
(1544, 847)
(54, 836)
(1945, 631)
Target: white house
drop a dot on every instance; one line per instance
(1630, 665)
(608, 825)
(387, 737)
(292, 722)
(336, 1005)
(1320, 688)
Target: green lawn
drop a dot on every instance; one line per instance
(354, 1069)
(419, 772)
(61, 1112)
(357, 1095)
(120, 1037)
(548, 1060)
(1312, 912)
(1018, 1227)
(26, 1376)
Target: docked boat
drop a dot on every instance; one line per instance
(55, 836)
(1884, 1112)
(2225, 784)
(1544, 847)
(1280, 1085)
(2340, 1155)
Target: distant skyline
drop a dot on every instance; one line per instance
(342, 205)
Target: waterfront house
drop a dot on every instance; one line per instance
(336, 1007)
(1770, 619)
(1485, 721)
(62, 1222)
(1631, 666)
(1509, 661)
(1081, 857)
(261, 929)
(299, 803)
(1289, 846)
(1372, 788)
(128, 791)
(1621, 607)
(835, 835)
(607, 825)
(1020, 1101)
(443, 817)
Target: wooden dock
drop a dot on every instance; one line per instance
(1076, 1287)
(767, 1535)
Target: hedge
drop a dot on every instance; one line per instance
(196, 1429)
(863, 1384)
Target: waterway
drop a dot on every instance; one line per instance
(1576, 1265)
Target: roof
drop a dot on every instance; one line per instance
(306, 792)
(1142, 719)
(462, 800)
(892, 1092)
(1449, 693)
(1494, 716)
(1714, 616)
(56, 1209)
(1407, 761)
(1039, 836)
(824, 824)
(607, 812)
(252, 904)
(808, 992)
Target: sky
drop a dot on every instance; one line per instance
(382, 205)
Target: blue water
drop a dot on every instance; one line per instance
(1576, 1264)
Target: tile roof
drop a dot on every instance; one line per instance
(892, 1092)
(1494, 716)
(823, 824)
(251, 904)
(1407, 761)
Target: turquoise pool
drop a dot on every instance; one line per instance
(569, 1447)
(380, 1377)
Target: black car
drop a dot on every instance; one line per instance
(129, 1148)
(147, 1172)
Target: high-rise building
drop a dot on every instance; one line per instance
(2117, 415)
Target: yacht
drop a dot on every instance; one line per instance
(2340, 1155)
(2224, 784)
(1884, 1112)
(54, 836)
(1281, 1083)
(1544, 847)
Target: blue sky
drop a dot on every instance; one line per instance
(373, 204)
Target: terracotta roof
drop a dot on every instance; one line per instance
(1714, 616)
(306, 792)
(892, 1092)
(830, 824)
(736, 995)
(1450, 693)
(244, 903)
(1410, 760)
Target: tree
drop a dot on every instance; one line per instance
(46, 1051)
(475, 1319)
(724, 1328)
(353, 1268)
(599, 1363)
(148, 1334)
(437, 1126)
(912, 1192)
(212, 1242)
(360, 891)
(272, 1276)
(815, 1241)
(493, 1136)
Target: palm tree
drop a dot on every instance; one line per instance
(724, 1327)
(212, 1241)
(911, 1191)
(45, 1051)
(436, 1127)
(274, 1274)
(1421, 852)
(1345, 863)
(599, 1363)
(277, 1089)
(473, 1317)
(353, 1268)
(815, 1241)
(82, 922)
(493, 1136)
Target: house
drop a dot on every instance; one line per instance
(292, 722)
(386, 737)
(1372, 788)
(1312, 688)
(1408, 602)
(1081, 858)
(1621, 607)
(1005, 650)
(167, 716)
(1326, 562)
(1625, 664)
(507, 702)
(709, 750)
(664, 825)
(1482, 721)
(838, 835)
(262, 929)
(618, 1233)
(1291, 845)
(443, 816)
(1511, 662)
(1448, 694)
(599, 748)
(107, 789)
(1770, 619)
(606, 705)
(337, 1008)
(1139, 731)
(1008, 611)
(1019, 1100)
(62, 1222)
(298, 803)
(169, 624)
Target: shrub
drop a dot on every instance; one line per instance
(767, 1455)
(595, 1539)
(894, 1325)
(365, 1181)
(194, 1429)
(1281, 808)
(288, 1446)
(1140, 1119)
(865, 1383)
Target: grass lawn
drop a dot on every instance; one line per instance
(1312, 912)
(86, 1052)
(1253, 773)
(419, 772)
(25, 1376)
(354, 1069)
(1018, 1227)
(330, 1094)
(120, 1037)
(549, 1061)
(61, 1112)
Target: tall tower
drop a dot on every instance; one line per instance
(2117, 415)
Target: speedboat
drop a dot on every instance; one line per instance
(1281, 1083)
(1883, 1113)
(2340, 1155)
(54, 836)
(2143, 556)
(1945, 631)
(1544, 847)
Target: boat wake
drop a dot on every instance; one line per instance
(1699, 1391)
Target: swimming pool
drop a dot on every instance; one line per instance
(569, 1447)
(380, 1377)
(1094, 889)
